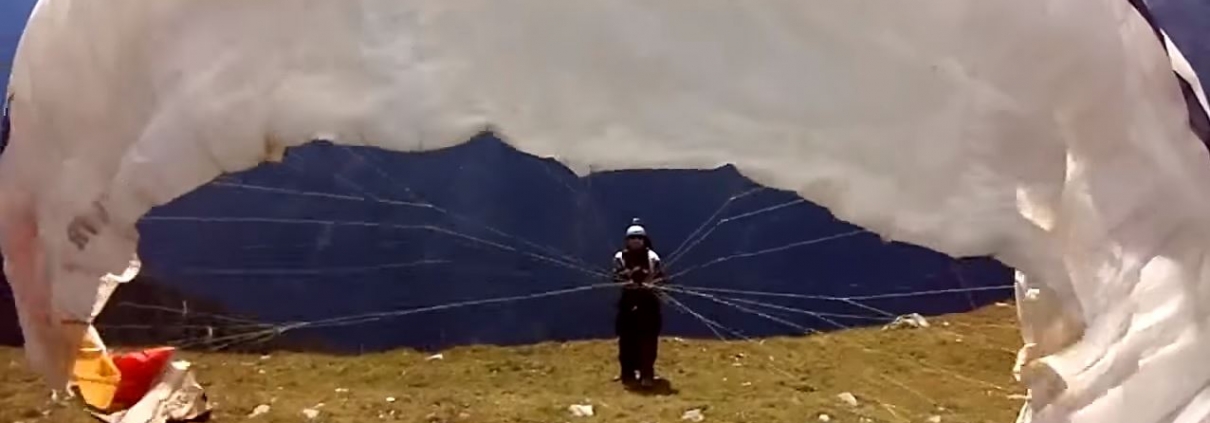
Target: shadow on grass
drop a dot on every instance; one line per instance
(660, 388)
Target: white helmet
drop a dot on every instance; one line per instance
(636, 230)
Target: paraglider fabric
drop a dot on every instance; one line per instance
(1042, 132)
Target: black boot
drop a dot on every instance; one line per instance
(648, 351)
(627, 359)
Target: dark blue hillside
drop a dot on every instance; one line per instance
(330, 233)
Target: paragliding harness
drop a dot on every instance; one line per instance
(639, 320)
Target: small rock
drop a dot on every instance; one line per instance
(260, 410)
(390, 399)
(1018, 397)
(342, 390)
(464, 415)
(265, 357)
(435, 357)
(580, 410)
(914, 321)
(1001, 304)
(261, 371)
(848, 398)
(825, 418)
(746, 384)
(695, 415)
(934, 419)
(310, 413)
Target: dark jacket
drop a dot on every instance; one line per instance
(639, 311)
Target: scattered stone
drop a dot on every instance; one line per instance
(695, 415)
(464, 415)
(390, 399)
(1018, 397)
(435, 357)
(1002, 305)
(913, 321)
(342, 390)
(580, 410)
(260, 410)
(934, 419)
(265, 357)
(746, 384)
(848, 398)
(825, 418)
(310, 413)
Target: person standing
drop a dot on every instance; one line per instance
(639, 320)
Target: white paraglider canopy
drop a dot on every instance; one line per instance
(1044, 133)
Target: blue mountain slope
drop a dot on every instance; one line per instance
(13, 14)
(1187, 23)
(302, 250)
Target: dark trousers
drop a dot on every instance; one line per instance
(638, 327)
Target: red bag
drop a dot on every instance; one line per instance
(139, 370)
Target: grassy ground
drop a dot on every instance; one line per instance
(957, 370)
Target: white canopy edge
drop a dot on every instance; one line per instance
(1048, 133)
